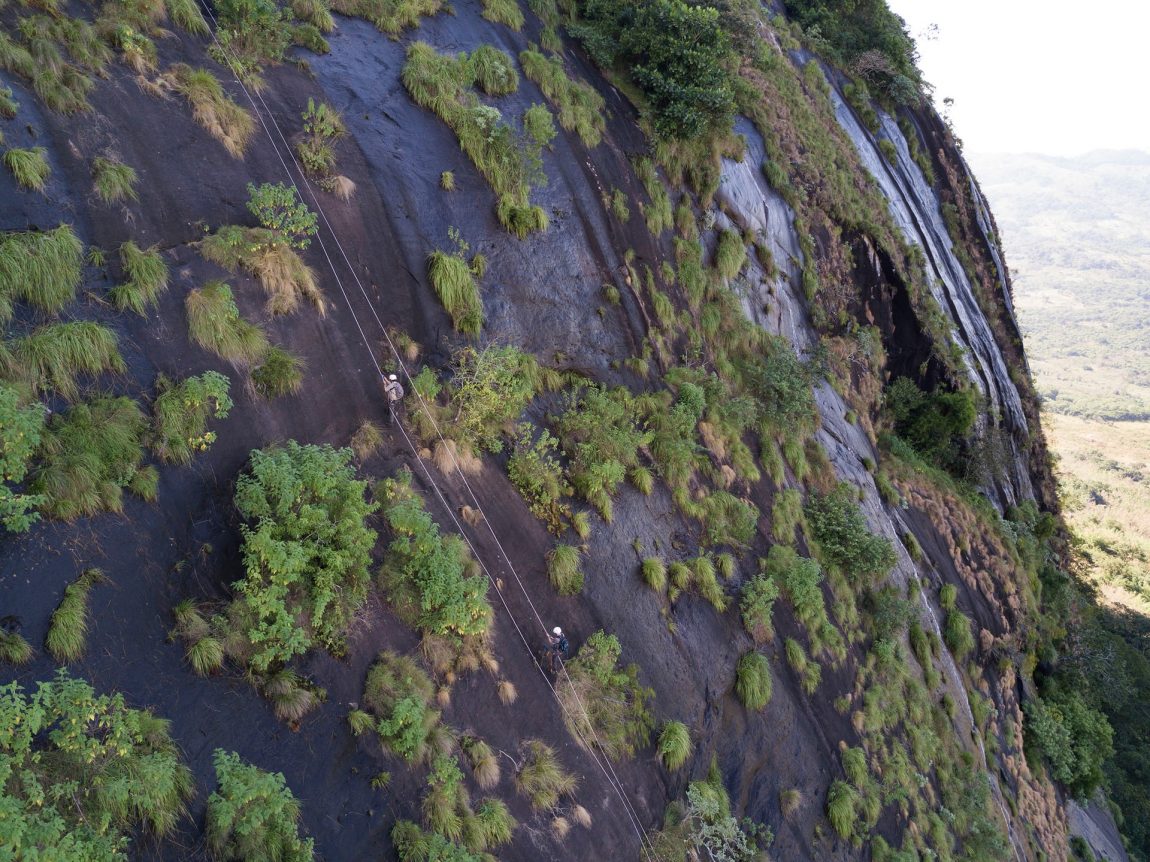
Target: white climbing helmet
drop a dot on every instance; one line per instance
(392, 377)
(557, 630)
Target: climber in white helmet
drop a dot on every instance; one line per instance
(394, 391)
(557, 648)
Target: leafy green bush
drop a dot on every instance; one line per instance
(842, 538)
(280, 210)
(251, 33)
(147, 279)
(936, 424)
(781, 384)
(114, 180)
(84, 770)
(322, 127)
(1075, 738)
(397, 697)
(52, 356)
(705, 829)
(426, 572)
(603, 703)
(757, 606)
(182, 411)
(674, 744)
(676, 54)
(800, 579)
(253, 816)
(539, 475)
(753, 680)
(29, 167)
(490, 388)
(68, 629)
(281, 373)
(87, 456)
(21, 427)
(41, 268)
(215, 324)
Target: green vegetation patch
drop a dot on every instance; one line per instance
(252, 815)
(68, 629)
(29, 167)
(147, 278)
(212, 108)
(702, 827)
(842, 537)
(51, 357)
(603, 703)
(40, 268)
(565, 570)
(21, 428)
(182, 411)
(674, 745)
(581, 108)
(265, 254)
(115, 181)
(83, 771)
(281, 373)
(753, 680)
(397, 708)
(215, 324)
(454, 280)
(390, 16)
(541, 776)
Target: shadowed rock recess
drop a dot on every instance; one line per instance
(727, 371)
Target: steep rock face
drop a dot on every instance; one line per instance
(544, 295)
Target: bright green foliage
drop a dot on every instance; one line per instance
(603, 703)
(855, 767)
(306, 549)
(539, 125)
(182, 411)
(88, 455)
(504, 12)
(787, 515)
(447, 810)
(186, 14)
(538, 474)
(52, 356)
(782, 386)
(957, 634)
(281, 373)
(729, 520)
(1075, 738)
(491, 387)
(658, 214)
(322, 127)
(494, 70)
(390, 16)
(731, 254)
(675, 52)
(753, 680)
(427, 571)
(214, 323)
(935, 424)
(948, 596)
(412, 844)
(251, 33)
(655, 574)
(455, 285)
(398, 697)
(147, 279)
(41, 268)
(29, 167)
(68, 629)
(581, 108)
(674, 744)
(564, 570)
(115, 181)
(253, 816)
(280, 210)
(705, 829)
(800, 579)
(842, 537)
(14, 649)
(542, 778)
(81, 771)
(757, 606)
(841, 802)
(20, 430)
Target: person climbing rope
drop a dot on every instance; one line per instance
(557, 649)
(393, 389)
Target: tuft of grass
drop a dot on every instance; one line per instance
(14, 649)
(261, 252)
(642, 478)
(145, 483)
(187, 14)
(291, 697)
(206, 655)
(367, 439)
(447, 181)
(539, 125)
(655, 574)
(841, 803)
(507, 692)
(182, 411)
(212, 108)
(494, 824)
(753, 680)
(8, 105)
(68, 629)
(563, 568)
(29, 167)
(390, 16)
(674, 744)
(542, 778)
(455, 286)
(314, 12)
(726, 565)
(147, 278)
(281, 373)
(581, 524)
(51, 357)
(494, 70)
(504, 12)
(520, 219)
(789, 801)
(580, 107)
(114, 180)
(731, 254)
(40, 268)
(957, 634)
(619, 206)
(948, 596)
(215, 324)
(483, 760)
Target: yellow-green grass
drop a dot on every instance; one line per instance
(390, 16)
(14, 649)
(281, 373)
(52, 357)
(215, 324)
(542, 778)
(494, 71)
(674, 744)
(262, 253)
(114, 180)
(455, 286)
(565, 570)
(29, 167)
(212, 108)
(147, 279)
(581, 108)
(40, 268)
(182, 411)
(68, 630)
(314, 12)
(504, 12)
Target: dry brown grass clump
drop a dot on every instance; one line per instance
(261, 253)
(449, 454)
(340, 186)
(212, 108)
(367, 439)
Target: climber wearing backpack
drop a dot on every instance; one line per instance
(393, 389)
(557, 649)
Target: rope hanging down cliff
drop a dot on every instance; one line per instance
(604, 765)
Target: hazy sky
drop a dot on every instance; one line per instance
(1045, 76)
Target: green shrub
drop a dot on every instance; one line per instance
(251, 33)
(398, 696)
(426, 572)
(87, 456)
(281, 373)
(51, 357)
(494, 70)
(581, 108)
(264, 254)
(21, 428)
(757, 606)
(1075, 738)
(948, 596)
(85, 771)
(753, 680)
(455, 286)
(957, 634)
(542, 778)
(215, 324)
(603, 703)
(936, 424)
(655, 574)
(731, 254)
(490, 388)
(41, 268)
(306, 549)
(564, 570)
(539, 125)
(842, 800)
(674, 744)
(114, 180)
(14, 649)
(280, 210)
(29, 167)
(182, 411)
(842, 537)
(68, 628)
(322, 127)
(538, 474)
(147, 279)
(253, 815)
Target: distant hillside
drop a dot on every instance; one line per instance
(1077, 235)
